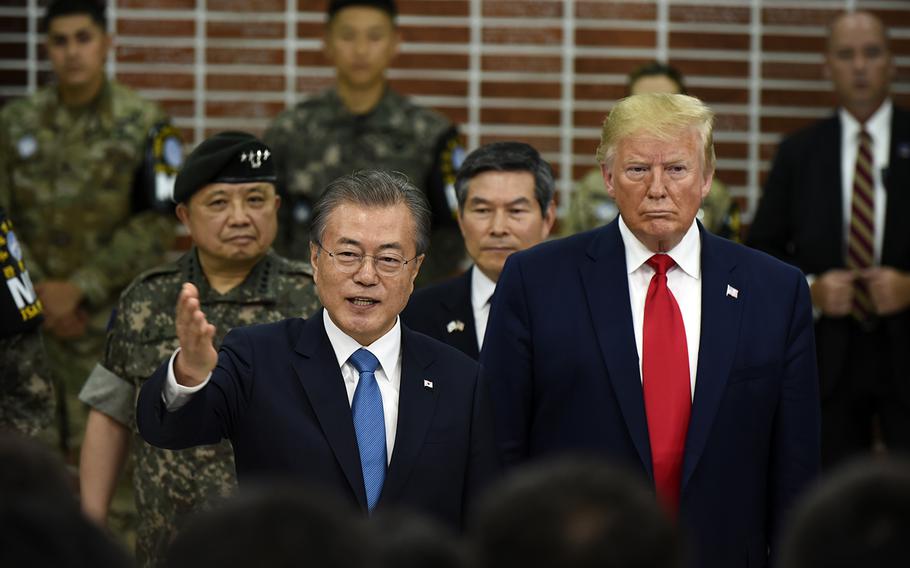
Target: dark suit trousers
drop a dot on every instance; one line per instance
(866, 401)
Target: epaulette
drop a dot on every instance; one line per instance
(166, 269)
(290, 266)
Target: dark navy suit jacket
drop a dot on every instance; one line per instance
(430, 310)
(561, 362)
(278, 395)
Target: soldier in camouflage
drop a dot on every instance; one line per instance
(69, 158)
(361, 124)
(591, 207)
(26, 391)
(229, 205)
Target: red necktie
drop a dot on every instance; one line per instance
(861, 236)
(665, 378)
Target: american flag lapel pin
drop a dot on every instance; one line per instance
(732, 292)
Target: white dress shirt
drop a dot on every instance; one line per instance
(879, 128)
(482, 289)
(683, 280)
(388, 376)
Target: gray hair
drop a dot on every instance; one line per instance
(374, 188)
(507, 157)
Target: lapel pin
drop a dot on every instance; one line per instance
(454, 325)
(732, 292)
(428, 384)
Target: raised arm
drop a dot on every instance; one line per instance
(197, 355)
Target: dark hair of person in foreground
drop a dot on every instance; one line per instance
(40, 520)
(574, 514)
(858, 517)
(282, 525)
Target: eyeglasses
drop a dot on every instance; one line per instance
(349, 261)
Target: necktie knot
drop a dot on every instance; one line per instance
(864, 136)
(661, 263)
(364, 361)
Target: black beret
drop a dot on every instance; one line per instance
(227, 157)
(387, 6)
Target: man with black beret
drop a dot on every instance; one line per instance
(226, 199)
(361, 123)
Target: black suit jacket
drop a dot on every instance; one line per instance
(432, 308)
(800, 220)
(278, 395)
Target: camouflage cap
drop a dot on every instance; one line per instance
(227, 157)
(387, 6)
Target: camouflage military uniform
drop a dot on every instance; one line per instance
(319, 140)
(170, 484)
(591, 207)
(26, 392)
(66, 177)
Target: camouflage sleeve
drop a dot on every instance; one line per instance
(6, 199)
(26, 391)
(108, 393)
(138, 245)
(276, 138)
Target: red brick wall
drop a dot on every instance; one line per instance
(543, 71)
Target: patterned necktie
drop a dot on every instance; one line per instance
(369, 425)
(861, 238)
(665, 380)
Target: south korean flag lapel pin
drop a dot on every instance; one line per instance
(428, 384)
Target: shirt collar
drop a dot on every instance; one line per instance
(387, 348)
(482, 288)
(877, 126)
(686, 254)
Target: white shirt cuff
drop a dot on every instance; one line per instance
(816, 312)
(174, 394)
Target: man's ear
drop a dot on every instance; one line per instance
(183, 214)
(549, 219)
(314, 255)
(607, 174)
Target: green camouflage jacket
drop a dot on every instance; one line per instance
(171, 484)
(319, 140)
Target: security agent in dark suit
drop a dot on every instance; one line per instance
(811, 206)
(349, 400)
(505, 204)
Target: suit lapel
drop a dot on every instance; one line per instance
(416, 406)
(318, 372)
(896, 242)
(720, 320)
(828, 189)
(457, 306)
(606, 285)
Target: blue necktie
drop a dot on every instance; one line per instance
(369, 425)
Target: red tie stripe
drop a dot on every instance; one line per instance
(861, 237)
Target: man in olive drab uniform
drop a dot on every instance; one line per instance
(591, 207)
(70, 158)
(227, 202)
(26, 391)
(361, 124)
